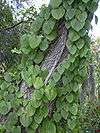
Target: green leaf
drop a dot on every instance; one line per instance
(80, 43)
(64, 114)
(25, 120)
(70, 98)
(38, 83)
(74, 109)
(77, 25)
(73, 35)
(93, 7)
(85, 1)
(37, 24)
(38, 117)
(45, 12)
(24, 41)
(56, 76)
(12, 119)
(38, 57)
(44, 45)
(57, 116)
(66, 5)
(71, 124)
(48, 26)
(50, 93)
(70, 14)
(34, 126)
(48, 127)
(70, 1)
(16, 129)
(7, 77)
(35, 103)
(82, 32)
(60, 69)
(30, 110)
(44, 111)
(4, 85)
(66, 64)
(55, 3)
(75, 87)
(68, 24)
(34, 41)
(72, 49)
(82, 16)
(4, 107)
(52, 35)
(38, 93)
(58, 13)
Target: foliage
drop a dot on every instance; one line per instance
(52, 107)
(90, 116)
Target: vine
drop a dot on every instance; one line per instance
(40, 93)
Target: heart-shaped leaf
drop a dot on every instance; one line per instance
(73, 35)
(77, 25)
(58, 13)
(48, 26)
(55, 3)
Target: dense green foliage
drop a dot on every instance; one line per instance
(51, 107)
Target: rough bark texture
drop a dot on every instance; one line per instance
(57, 52)
(88, 86)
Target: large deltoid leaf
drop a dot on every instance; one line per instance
(77, 25)
(50, 93)
(73, 35)
(24, 41)
(58, 13)
(34, 41)
(55, 3)
(48, 127)
(48, 26)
